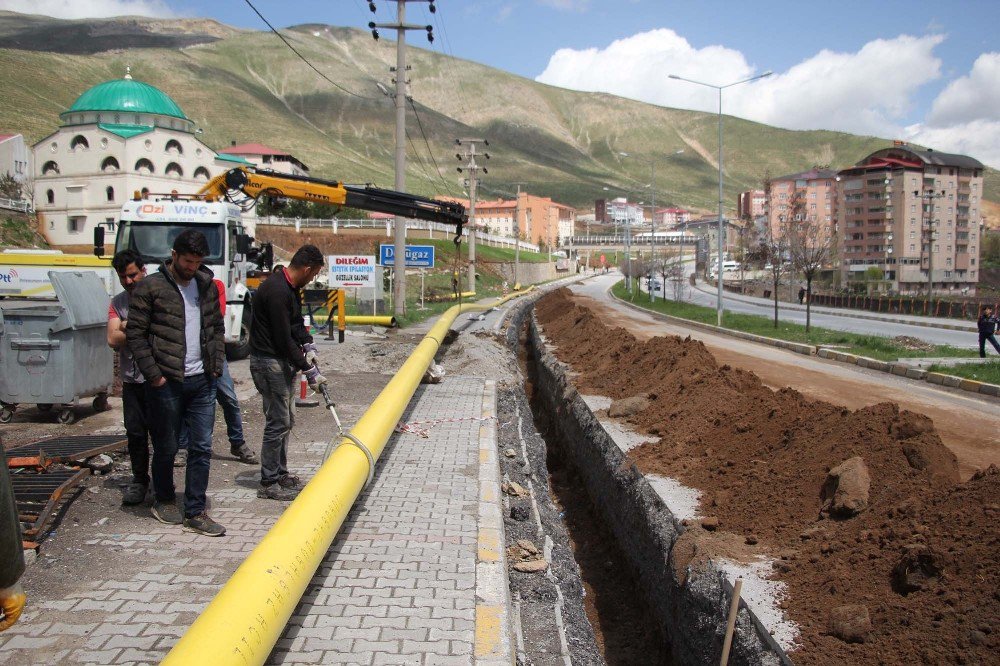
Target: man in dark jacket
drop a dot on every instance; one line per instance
(280, 346)
(176, 334)
(987, 328)
(11, 553)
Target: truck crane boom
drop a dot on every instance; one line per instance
(254, 182)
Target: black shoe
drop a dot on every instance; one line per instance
(291, 481)
(135, 493)
(202, 524)
(244, 454)
(276, 492)
(166, 512)
(181, 459)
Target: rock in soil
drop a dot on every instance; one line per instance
(850, 623)
(845, 492)
(628, 406)
(532, 566)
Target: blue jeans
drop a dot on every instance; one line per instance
(226, 396)
(189, 404)
(275, 379)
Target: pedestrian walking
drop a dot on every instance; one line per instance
(12, 595)
(454, 284)
(225, 395)
(130, 267)
(280, 346)
(175, 332)
(802, 294)
(987, 331)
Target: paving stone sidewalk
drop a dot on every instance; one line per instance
(416, 575)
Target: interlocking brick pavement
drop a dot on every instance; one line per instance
(405, 581)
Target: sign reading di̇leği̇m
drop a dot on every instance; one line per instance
(349, 270)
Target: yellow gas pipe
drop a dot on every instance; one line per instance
(362, 320)
(245, 619)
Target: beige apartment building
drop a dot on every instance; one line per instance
(915, 214)
(540, 220)
(750, 204)
(806, 197)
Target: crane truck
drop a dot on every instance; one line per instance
(149, 224)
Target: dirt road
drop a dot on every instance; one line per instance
(968, 424)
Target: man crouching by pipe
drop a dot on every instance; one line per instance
(280, 346)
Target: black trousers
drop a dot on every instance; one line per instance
(137, 430)
(982, 344)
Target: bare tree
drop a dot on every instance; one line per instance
(809, 244)
(10, 187)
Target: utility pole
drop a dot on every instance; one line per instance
(652, 230)
(473, 168)
(400, 26)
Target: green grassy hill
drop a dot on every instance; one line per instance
(248, 86)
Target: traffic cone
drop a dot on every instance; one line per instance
(304, 399)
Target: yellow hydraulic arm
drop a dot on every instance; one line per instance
(254, 182)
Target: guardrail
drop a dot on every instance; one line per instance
(339, 224)
(18, 205)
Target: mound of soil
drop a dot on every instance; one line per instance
(922, 556)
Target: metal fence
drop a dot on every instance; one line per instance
(934, 307)
(338, 225)
(13, 204)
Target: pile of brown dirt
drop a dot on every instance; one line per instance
(922, 556)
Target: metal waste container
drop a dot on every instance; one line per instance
(56, 353)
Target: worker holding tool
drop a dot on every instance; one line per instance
(12, 595)
(280, 346)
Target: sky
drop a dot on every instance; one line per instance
(926, 72)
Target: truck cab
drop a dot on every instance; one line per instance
(150, 226)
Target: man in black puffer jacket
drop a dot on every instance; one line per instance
(987, 327)
(175, 332)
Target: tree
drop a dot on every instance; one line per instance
(809, 244)
(10, 187)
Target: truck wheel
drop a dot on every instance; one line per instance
(101, 403)
(66, 416)
(6, 415)
(237, 351)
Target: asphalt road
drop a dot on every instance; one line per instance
(704, 294)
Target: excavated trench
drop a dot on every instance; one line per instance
(611, 585)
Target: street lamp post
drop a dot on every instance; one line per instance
(718, 306)
(927, 213)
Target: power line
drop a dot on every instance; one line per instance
(304, 59)
(420, 125)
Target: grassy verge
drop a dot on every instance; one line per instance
(872, 346)
(981, 372)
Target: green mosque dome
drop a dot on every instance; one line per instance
(126, 96)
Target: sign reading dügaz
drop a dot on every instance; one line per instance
(417, 256)
(349, 270)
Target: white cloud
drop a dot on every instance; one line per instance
(972, 97)
(870, 91)
(77, 9)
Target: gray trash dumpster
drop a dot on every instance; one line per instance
(56, 353)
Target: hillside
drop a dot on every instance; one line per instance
(248, 86)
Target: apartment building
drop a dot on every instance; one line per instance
(539, 219)
(750, 204)
(915, 214)
(804, 197)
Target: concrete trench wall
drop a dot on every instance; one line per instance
(692, 613)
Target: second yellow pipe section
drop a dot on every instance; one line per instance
(247, 617)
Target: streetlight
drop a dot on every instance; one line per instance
(652, 218)
(718, 306)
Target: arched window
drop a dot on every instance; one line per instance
(201, 173)
(110, 192)
(174, 170)
(79, 141)
(144, 166)
(50, 196)
(174, 147)
(110, 165)
(50, 167)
